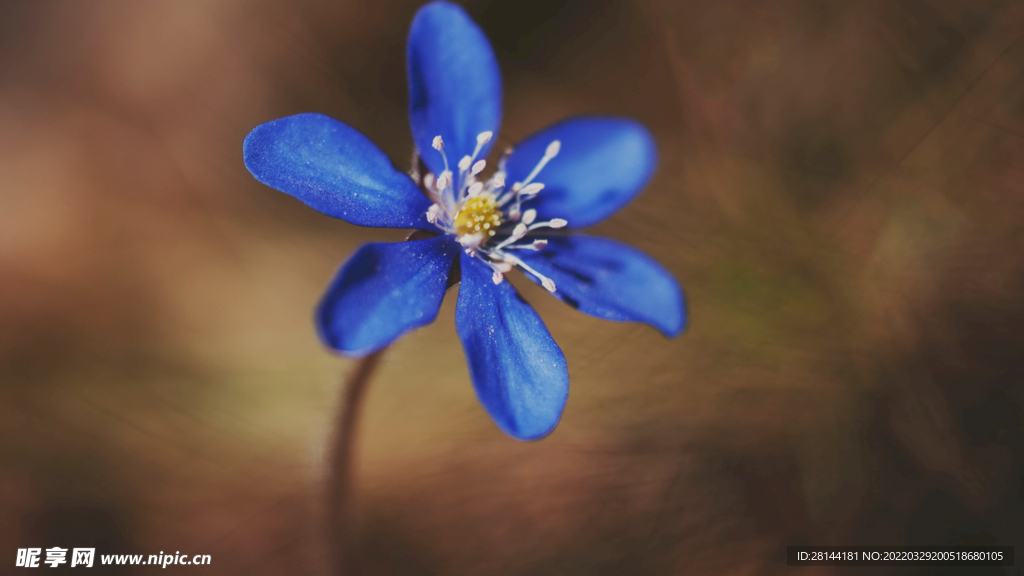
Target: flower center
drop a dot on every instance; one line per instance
(485, 217)
(479, 215)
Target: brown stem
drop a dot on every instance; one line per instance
(340, 525)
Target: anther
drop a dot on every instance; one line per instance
(484, 137)
(478, 167)
(470, 241)
(438, 144)
(444, 180)
(432, 213)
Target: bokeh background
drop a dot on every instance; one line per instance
(840, 194)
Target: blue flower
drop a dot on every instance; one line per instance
(570, 175)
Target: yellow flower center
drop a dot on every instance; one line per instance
(479, 215)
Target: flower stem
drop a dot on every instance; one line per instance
(340, 524)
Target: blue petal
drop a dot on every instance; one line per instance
(610, 280)
(454, 83)
(603, 163)
(384, 291)
(517, 369)
(333, 168)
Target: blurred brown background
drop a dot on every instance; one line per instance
(840, 194)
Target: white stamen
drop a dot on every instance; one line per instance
(548, 283)
(553, 223)
(432, 213)
(558, 223)
(428, 181)
(478, 167)
(531, 189)
(471, 241)
(439, 146)
(550, 153)
(414, 171)
(444, 180)
(517, 233)
(536, 245)
(497, 277)
(483, 138)
(476, 189)
(464, 163)
(498, 179)
(529, 216)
